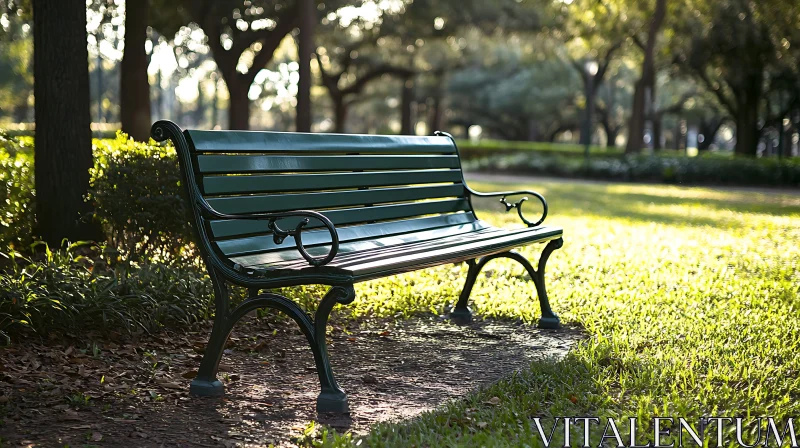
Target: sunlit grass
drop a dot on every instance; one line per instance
(689, 298)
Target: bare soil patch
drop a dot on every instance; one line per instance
(123, 391)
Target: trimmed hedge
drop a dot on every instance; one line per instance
(648, 168)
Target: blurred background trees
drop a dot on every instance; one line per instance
(644, 75)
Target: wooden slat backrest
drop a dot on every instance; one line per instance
(354, 180)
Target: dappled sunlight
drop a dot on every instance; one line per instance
(689, 306)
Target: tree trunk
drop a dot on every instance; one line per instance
(100, 87)
(407, 104)
(709, 130)
(215, 105)
(435, 114)
(200, 107)
(645, 87)
(611, 133)
(340, 114)
(63, 139)
(586, 128)
(305, 48)
(657, 132)
(134, 91)
(747, 131)
(238, 106)
(747, 102)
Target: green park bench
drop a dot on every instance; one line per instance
(276, 209)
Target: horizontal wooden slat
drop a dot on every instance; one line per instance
(382, 267)
(386, 246)
(234, 227)
(248, 141)
(264, 243)
(331, 199)
(309, 182)
(263, 164)
(365, 259)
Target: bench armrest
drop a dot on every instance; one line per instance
(278, 234)
(517, 205)
(503, 194)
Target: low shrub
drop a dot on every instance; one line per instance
(76, 290)
(648, 168)
(137, 194)
(16, 193)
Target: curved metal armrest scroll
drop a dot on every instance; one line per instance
(279, 235)
(518, 205)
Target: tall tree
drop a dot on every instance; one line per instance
(63, 153)
(134, 84)
(305, 50)
(237, 28)
(644, 92)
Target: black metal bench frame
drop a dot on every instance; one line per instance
(221, 271)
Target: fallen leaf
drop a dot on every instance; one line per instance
(494, 401)
(369, 379)
(189, 374)
(351, 339)
(384, 333)
(96, 437)
(482, 425)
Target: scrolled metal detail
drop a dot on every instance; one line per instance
(279, 235)
(518, 205)
(503, 194)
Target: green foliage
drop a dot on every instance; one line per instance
(660, 168)
(136, 189)
(17, 193)
(66, 291)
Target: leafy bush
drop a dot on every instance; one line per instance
(16, 193)
(136, 190)
(68, 291)
(649, 168)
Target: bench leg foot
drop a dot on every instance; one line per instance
(203, 388)
(332, 401)
(549, 319)
(461, 314)
(331, 398)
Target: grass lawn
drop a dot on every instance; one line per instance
(689, 297)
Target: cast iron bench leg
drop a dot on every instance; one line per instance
(206, 384)
(461, 313)
(331, 398)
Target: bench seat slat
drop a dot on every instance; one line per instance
(372, 258)
(229, 164)
(331, 199)
(245, 141)
(360, 251)
(213, 185)
(284, 253)
(451, 254)
(234, 227)
(456, 222)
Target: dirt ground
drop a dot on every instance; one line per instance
(133, 392)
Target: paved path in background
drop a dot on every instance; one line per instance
(521, 179)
